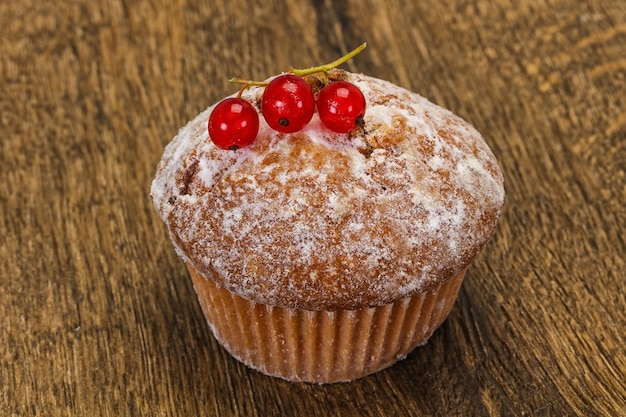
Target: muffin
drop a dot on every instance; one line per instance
(323, 257)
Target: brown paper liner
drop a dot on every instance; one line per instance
(322, 346)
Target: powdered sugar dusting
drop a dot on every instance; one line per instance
(321, 220)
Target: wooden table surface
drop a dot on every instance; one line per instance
(98, 314)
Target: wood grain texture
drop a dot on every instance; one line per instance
(98, 315)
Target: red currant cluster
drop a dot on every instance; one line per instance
(288, 105)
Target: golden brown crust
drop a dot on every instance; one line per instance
(323, 221)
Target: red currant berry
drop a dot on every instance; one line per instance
(233, 123)
(341, 106)
(288, 103)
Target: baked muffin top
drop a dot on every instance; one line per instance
(324, 221)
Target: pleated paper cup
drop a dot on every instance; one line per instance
(322, 346)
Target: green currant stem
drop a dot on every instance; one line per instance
(246, 84)
(300, 72)
(325, 68)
